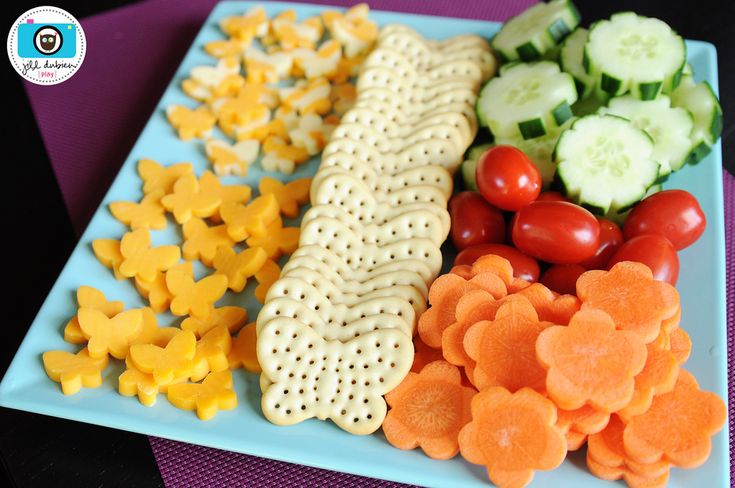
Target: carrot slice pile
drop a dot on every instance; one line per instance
(698, 416)
(428, 409)
(630, 295)
(505, 348)
(513, 435)
(554, 372)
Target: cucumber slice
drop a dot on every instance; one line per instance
(633, 53)
(537, 30)
(668, 126)
(702, 103)
(528, 100)
(570, 60)
(470, 165)
(619, 217)
(605, 163)
(590, 104)
(539, 150)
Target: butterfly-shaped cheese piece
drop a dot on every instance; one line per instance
(187, 200)
(249, 220)
(261, 67)
(353, 29)
(209, 183)
(202, 241)
(308, 97)
(211, 395)
(155, 292)
(347, 69)
(133, 382)
(230, 316)
(343, 382)
(234, 110)
(151, 333)
(190, 123)
(255, 123)
(142, 260)
(289, 195)
(206, 81)
(253, 23)
(211, 352)
(343, 97)
(74, 371)
(158, 177)
(107, 252)
(243, 352)
(89, 297)
(238, 267)
(147, 214)
(224, 48)
(111, 335)
(278, 241)
(293, 35)
(169, 363)
(322, 62)
(312, 133)
(195, 298)
(266, 276)
(282, 156)
(232, 159)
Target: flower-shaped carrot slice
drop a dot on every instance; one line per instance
(680, 345)
(202, 241)
(428, 409)
(463, 270)
(590, 362)
(658, 377)
(606, 449)
(513, 435)
(575, 440)
(142, 260)
(549, 305)
(289, 195)
(187, 200)
(630, 295)
(698, 415)
(195, 298)
(238, 267)
(633, 479)
(505, 348)
(243, 352)
(492, 263)
(584, 420)
(444, 294)
(155, 176)
(423, 355)
(148, 214)
(475, 306)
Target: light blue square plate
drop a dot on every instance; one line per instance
(321, 444)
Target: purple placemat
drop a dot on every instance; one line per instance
(90, 122)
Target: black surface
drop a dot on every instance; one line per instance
(43, 452)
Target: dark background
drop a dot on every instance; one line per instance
(39, 451)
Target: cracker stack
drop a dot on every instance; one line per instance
(335, 333)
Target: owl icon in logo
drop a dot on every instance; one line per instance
(48, 40)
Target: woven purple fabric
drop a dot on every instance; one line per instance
(90, 122)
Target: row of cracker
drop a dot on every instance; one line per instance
(335, 332)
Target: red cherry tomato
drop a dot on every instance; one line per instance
(474, 221)
(556, 232)
(552, 196)
(562, 278)
(654, 251)
(611, 238)
(524, 267)
(674, 214)
(507, 178)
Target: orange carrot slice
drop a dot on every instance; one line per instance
(475, 306)
(575, 440)
(549, 305)
(505, 348)
(428, 409)
(590, 362)
(513, 435)
(698, 415)
(630, 295)
(680, 345)
(497, 265)
(444, 294)
(672, 322)
(632, 479)
(463, 270)
(584, 420)
(658, 377)
(423, 355)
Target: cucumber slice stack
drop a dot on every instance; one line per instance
(701, 102)
(570, 60)
(531, 34)
(528, 100)
(605, 163)
(668, 126)
(632, 53)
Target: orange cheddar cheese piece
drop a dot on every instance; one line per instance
(278, 241)
(190, 123)
(243, 352)
(111, 335)
(187, 200)
(238, 267)
(148, 214)
(289, 195)
(74, 371)
(213, 394)
(230, 316)
(251, 220)
(211, 352)
(202, 242)
(266, 276)
(195, 298)
(107, 252)
(89, 297)
(142, 260)
(166, 363)
(158, 177)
